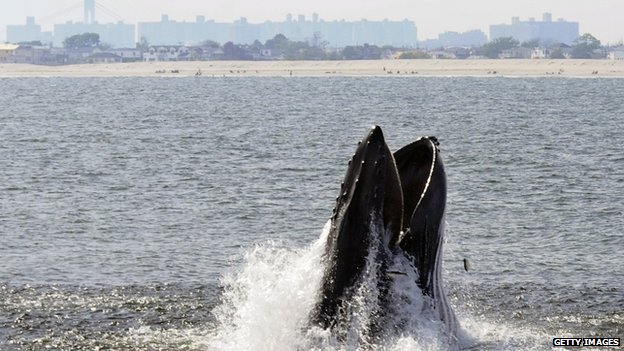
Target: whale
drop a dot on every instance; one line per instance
(423, 182)
(389, 204)
(368, 216)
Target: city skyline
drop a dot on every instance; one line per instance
(432, 17)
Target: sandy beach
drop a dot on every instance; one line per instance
(492, 68)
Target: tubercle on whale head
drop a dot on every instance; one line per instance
(371, 184)
(370, 198)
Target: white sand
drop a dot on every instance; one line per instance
(570, 68)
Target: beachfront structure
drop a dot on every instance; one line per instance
(546, 31)
(28, 32)
(335, 33)
(617, 53)
(7, 50)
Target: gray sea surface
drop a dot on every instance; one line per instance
(125, 201)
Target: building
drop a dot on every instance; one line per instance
(335, 33)
(616, 53)
(29, 32)
(516, 53)
(103, 57)
(167, 53)
(31, 54)
(127, 54)
(546, 31)
(114, 34)
(7, 50)
(118, 35)
(469, 39)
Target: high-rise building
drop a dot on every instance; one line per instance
(472, 38)
(336, 33)
(119, 35)
(28, 33)
(546, 31)
(89, 11)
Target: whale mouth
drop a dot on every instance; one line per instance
(390, 205)
(426, 148)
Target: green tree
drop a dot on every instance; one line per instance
(496, 46)
(584, 46)
(362, 52)
(232, 51)
(210, 44)
(85, 40)
(278, 42)
(557, 54)
(104, 46)
(257, 44)
(317, 41)
(410, 55)
(143, 44)
(531, 44)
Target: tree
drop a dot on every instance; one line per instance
(557, 54)
(257, 44)
(496, 46)
(234, 52)
(79, 41)
(531, 44)
(410, 55)
(104, 46)
(363, 52)
(278, 42)
(317, 41)
(210, 44)
(584, 46)
(143, 44)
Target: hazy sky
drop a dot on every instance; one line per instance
(603, 18)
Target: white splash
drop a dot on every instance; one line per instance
(267, 303)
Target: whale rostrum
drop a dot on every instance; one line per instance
(389, 204)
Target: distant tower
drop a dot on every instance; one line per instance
(89, 11)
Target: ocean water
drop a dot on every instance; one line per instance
(187, 213)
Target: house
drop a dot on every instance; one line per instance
(516, 53)
(7, 50)
(442, 54)
(559, 51)
(78, 55)
(540, 53)
(30, 54)
(103, 57)
(209, 53)
(127, 54)
(166, 53)
(461, 53)
(617, 53)
(266, 54)
(56, 56)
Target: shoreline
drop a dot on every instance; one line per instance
(376, 68)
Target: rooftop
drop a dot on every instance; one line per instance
(8, 46)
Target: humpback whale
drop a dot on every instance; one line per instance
(389, 204)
